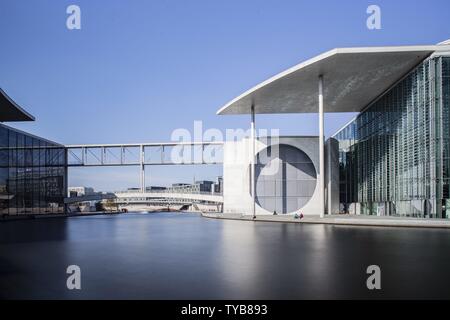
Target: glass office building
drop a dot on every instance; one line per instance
(32, 174)
(395, 155)
(33, 171)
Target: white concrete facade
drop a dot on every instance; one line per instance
(353, 78)
(237, 174)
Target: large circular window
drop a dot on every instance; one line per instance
(285, 179)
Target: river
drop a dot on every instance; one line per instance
(186, 256)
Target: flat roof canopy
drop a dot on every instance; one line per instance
(353, 78)
(10, 111)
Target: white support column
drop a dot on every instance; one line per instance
(203, 152)
(321, 151)
(252, 162)
(142, 169)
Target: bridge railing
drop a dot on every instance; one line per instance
(138, 197)
(171, 192)
(145, 154)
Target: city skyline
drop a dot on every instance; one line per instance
(138, 61)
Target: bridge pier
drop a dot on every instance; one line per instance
(142, 165)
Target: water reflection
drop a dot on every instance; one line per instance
(239, 257)
(184, 256)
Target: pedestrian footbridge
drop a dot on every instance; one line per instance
(128, 197)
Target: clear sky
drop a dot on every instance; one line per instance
(138, 69)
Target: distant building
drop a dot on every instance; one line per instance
(155, 188)
(133, 189)
(205, 185)
(218, 186)
(80, 191)
(197, 187)
(176, 185)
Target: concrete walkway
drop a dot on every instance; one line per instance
(351, 220)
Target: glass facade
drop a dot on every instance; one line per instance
(395, 155)
(32, 174)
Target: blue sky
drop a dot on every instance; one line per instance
(137, 70)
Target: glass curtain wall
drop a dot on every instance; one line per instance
(32, 174)
(395, 156)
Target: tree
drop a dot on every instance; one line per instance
(99, 206)
(111, 205)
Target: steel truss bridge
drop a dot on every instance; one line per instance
(143, 155)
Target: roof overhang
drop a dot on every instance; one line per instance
(10, 111)
(353, 78)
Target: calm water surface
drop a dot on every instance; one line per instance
(185, 256)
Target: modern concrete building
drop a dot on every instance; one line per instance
(394, 158)
(33, 175)
(286, 176)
